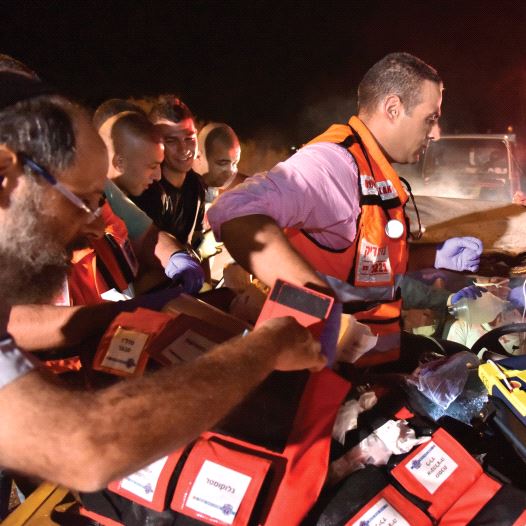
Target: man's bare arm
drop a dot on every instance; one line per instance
(421, 256)
(257, 243)
(84, 440)
(39, 327)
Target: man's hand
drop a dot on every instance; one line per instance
(296, 347)
(471, 293)
(183, 268)
(459, 253)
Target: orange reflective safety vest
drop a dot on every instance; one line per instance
(375, 262)
(108, 264)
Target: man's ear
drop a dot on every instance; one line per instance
(118, 163)
(8, 163)
(200, 165)
(392, 107)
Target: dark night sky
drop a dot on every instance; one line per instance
(284, 69)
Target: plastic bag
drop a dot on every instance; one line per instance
(443, 380)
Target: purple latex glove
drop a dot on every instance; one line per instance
(459, 253)
(153, 300)
(471, 293)
(329, 334)
(184, 269)
(516, 297)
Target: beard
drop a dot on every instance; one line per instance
(33, 264)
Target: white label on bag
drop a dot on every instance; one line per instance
(373, 264)
(381, 514)
(218, 492)
(143, 482)
(432, 467)
(187, 347)
(125, 349)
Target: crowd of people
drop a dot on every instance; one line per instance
(104, 213)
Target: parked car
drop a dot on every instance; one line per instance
(469, 166)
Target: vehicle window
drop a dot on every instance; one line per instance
(466, 168)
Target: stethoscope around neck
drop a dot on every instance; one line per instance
(394, 228)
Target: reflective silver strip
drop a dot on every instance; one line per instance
(347, 293)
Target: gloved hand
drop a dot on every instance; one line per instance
(516, 297)
(459, 253)
(329, 334)
(153, 300)
(185, 269)
(471, 293)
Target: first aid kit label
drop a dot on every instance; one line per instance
(124, 350)
(143, 482)
(432, 467)
(381, 514)
(187, 347)
(218, 492)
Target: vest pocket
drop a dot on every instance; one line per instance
(221, 483)
(149, 485)
(389, 507)
(439, 472)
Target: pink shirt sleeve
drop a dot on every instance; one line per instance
(316, 190)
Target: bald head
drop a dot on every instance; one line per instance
(219, 153)
(135, 151)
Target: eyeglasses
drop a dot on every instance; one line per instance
(57, 185)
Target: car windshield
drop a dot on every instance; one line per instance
(467, 168)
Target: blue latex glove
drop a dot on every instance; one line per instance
(516, 297)
(471, 293)
(153, 300)
(329, 334)
(184, 269)
(459, 253)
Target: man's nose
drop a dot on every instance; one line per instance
(157, 174)
(434, 132)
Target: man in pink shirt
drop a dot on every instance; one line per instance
(323, 188)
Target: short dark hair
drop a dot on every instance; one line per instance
(135, 124)
(170, 107)
(112, 107)
(223, 134)
(42, 128)
(399, 74)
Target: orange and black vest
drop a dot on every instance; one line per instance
(372, 267)
(108, 264)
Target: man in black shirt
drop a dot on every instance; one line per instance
(176, 202)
